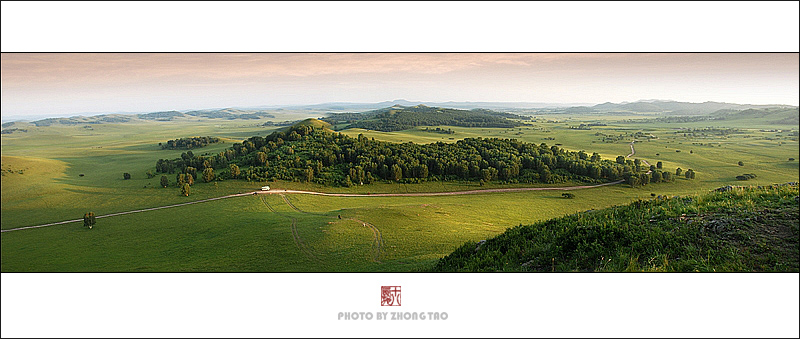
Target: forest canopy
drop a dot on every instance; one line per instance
(317, 154)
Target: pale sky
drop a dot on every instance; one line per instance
(61, 83)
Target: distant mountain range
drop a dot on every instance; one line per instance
(662, 107)
(667, 107)
(449, 104)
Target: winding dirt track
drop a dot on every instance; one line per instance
(633, 151)
(295, 234)
(377, 237)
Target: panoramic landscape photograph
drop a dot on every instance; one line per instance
(400, 162)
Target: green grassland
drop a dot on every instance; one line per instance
(255, 233)
(751, 229)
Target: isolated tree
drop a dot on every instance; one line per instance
(208, 174)
(741, 163)
(189, 179)
(126, 176)
(185, 189)
(659, 165)
(693, 174)
(666, 176)
(164, 181)
(89, 219)
(150, 174)
(235, 172)
(678, 172)
(568, 195)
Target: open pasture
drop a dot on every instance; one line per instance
(41, 183)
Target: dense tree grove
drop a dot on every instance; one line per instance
(189, 143)
(305, 153)
(400, 118)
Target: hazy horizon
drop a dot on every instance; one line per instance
(64, 84)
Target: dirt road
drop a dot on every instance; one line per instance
(429, 194)
(129, 212)
(495, 190)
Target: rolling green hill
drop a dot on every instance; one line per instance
(397, 118)
(313, 123)
(743, 229)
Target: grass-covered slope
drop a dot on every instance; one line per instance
(739, 229)
(315, 123)
(397, 118)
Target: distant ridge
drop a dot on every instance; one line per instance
(667, 107)
(398, 117)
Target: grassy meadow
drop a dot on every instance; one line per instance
(41, 184)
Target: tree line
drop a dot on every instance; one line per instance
(309, 154)
(188, 143)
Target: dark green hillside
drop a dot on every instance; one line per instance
(189, 143)
(398, 118)
(310, 152)
(740, 229)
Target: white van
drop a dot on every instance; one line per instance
(265, 188)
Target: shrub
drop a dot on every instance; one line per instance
(746, 176)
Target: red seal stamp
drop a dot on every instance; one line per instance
(390, 295)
